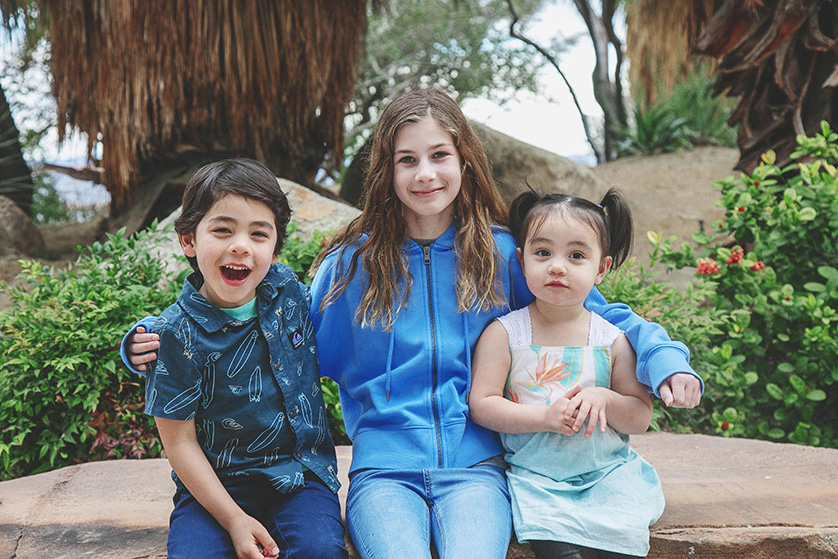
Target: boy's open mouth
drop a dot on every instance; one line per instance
(235, 273)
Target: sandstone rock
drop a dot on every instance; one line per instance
(513, 164)
(18, 235)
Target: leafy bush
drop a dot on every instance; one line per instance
(690, 115)
(775, 291)
(656, 130)
(64, 395)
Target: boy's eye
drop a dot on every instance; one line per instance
(221, 230)
(260, 234)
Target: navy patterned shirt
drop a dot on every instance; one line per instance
(252, 387)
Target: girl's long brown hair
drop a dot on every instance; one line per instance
(477, 207)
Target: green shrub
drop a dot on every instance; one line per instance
(689, 115)
(64, 395)
(772, 267)
(656, 130)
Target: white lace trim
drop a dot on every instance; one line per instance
(518, 326)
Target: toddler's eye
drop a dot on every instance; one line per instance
(577, 256)
(543, 253)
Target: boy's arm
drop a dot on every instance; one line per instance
(138, 346)
(662, 364)
(191, 466)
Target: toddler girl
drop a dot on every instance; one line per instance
(558, 382)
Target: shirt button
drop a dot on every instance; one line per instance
(291, 414)
(276, 366)
(299, 455)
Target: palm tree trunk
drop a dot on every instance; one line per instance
(15, 179)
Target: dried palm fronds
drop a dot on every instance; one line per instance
(780, 58)
(658, 46)
(149, 78)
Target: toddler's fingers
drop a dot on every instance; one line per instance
(584, 410)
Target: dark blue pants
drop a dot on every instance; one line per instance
(306, 524)
(561, 550)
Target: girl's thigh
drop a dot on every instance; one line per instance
(470, 512)
(307, 523)
(387, 514)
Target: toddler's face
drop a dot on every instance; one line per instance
(562, 260)
(234, 246)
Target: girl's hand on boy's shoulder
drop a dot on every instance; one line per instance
(140, 348)
(588, 403)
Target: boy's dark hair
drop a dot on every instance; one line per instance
(610, 219)
(240, 177)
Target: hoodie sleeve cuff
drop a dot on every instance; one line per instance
(147, 322)
(665, 362)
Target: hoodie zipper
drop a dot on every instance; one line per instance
(427, 250)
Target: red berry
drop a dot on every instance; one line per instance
(741, 208)
(756, 183)
(725, 425)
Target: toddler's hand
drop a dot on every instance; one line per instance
(251, 539)
(587, 402)
(554, 419)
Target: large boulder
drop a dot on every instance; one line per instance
(514, 164)
(18, 235)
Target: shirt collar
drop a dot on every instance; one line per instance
(210, 317)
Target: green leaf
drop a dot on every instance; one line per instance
(776, 433)
(814, 287)
(816, 396)
(774, 391)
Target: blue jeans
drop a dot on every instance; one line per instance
(305, 524)
(398, 513)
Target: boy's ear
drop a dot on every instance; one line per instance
(604, 266)
(187, 244)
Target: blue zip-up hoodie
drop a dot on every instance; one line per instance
(404, 393)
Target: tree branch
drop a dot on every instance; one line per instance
(552, 60)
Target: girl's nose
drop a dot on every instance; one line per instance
(425, 171)
(557, 267)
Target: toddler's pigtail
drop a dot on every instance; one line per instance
(518, 211)
(619, 224)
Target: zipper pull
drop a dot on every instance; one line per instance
(427, 250)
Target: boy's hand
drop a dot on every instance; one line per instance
(251, 540)
(681, 390)
(140, 348)
(587, 402)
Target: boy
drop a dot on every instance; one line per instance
(235, 389)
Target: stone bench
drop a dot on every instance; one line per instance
(725, 498)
